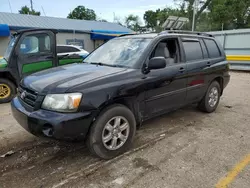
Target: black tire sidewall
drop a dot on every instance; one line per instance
(12, 90)
(95, 143)
(207, 106)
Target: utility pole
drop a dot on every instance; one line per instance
(194, 13)
(31, 5)
(114, 20)
(43, 11)
(10, 6)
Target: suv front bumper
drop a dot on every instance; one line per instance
(53, 124)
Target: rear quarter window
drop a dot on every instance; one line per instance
(61, 49)
(192, 49)
(213, 49)
(72, 49)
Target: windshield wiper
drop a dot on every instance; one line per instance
(104, 64)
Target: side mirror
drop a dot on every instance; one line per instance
(157, 63)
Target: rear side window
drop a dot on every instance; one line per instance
(212, 48)
(204, 48)
(60, 49)
(72, 49)
(66, 49)
(192, 50)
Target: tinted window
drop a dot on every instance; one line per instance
(66, 49)
(204, 49)
(192, 50)
(72, 49)
(213, 49)
(59, 49)
(37, 43)
(62, 49)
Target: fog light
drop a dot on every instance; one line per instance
(48, 130)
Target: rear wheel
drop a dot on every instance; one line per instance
(212, 98)
(112, 133)
(7, 90)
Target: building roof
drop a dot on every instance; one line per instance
(22, 21)
(230, 32)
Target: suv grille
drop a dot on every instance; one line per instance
(27, 96)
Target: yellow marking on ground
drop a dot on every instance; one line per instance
(238, 57)
(224, 182)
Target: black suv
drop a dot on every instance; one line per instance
(121, 84)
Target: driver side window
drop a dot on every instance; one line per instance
(169, 49)
(38, 43)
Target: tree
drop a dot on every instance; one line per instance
(211, 15)
(188, 8)
(119, 21)
(150, 18)
(231, 14)
(133, 22)
(27, 10)
(82, 13)
(155, 19)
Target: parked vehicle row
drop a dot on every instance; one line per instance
(121, 84)
(32, 51)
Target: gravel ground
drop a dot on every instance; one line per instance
(186, 148)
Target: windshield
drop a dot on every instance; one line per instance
(9, 48)
(122, 52)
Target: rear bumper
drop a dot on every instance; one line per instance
(52, 124)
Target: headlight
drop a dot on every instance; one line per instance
(62, 102)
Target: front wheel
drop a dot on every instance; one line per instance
(212, 98)
(112, 133)
(7, 90)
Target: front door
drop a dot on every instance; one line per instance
(36, 51)
(166, 88)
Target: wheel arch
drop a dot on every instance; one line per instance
(125, 101)
(7, 75)
(130, 102)
(220, 80)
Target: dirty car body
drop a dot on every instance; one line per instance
(110, 77)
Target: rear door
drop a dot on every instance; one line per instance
(214, 53)
(36, 51)
(197, 68)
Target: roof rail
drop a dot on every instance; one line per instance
(186, 32)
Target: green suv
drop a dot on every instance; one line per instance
(29, 51)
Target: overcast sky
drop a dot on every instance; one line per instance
(103, 9)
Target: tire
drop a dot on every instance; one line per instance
(205, 104)
(99, 131)
(9, 87)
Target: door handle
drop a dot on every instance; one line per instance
(181, 70)
(208, 64)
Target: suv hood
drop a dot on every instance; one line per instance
(61, 79)
(3, 63)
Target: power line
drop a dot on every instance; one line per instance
(43, 11)
(10, 6)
